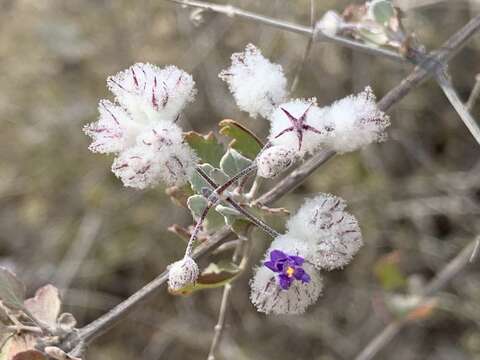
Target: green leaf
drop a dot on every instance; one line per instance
(243, 140)
(382, 11)
(388, 272)
(213, 221)
(227, 210)
(197, 204)
(373, 34)
(214, 276)
(217, 175)
(233, 162)
(207, 147)
(197, 182)
(12, 290)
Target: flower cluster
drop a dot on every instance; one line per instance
(299, 126)
(140, 126)
(320, 236)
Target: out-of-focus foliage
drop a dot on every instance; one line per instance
(66, 220)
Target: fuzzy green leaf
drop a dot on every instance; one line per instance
(243, 140)
(213, 221)
(12, 290)
(233, 162)
(207, 147)
(382, 11)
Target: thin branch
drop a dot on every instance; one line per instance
(472, 99)
(220, 323)
(257, 222)
(317, 34)
(462, 110)
(307, 49)
(452, 269)
(87, 233)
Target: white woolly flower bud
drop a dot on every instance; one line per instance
(160, 154)
(257, 85)
(330, 23)
(179, 165)
(114, 131)
(332, 234)
(151, 93)
(274, 160)
(286, 283)
(135, 167)
(299, 125)
(356, 122)
(182, 273)
(141, 130)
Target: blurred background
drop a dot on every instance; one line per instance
(65, 219)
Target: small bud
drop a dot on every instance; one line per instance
(356, 121)
(332, 234)
(257, 85)
(330, 23)
(274, 161)
(182, 273)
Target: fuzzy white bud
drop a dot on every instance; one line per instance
(257, 85)
(330, 23)
(332, 234)
(356, 122)
(182, 273)
(274, 160)
(151, 93)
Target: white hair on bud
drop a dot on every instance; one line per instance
(141, 127)
(182, 273)
(330, 23)
(257, 85)
(356, 122)
(298, 125)
(151, 93)
(268, 297)
(332, 234)
(114, 131)
(274, 160)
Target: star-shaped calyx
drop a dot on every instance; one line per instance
(298, 124)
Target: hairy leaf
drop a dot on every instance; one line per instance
(12, 290)
(383, 11)
(388, 272)
(45, 306)
(196, 204)
(233, 162)
(207, 147)
(243, 140)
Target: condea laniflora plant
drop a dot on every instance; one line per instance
(142, 130)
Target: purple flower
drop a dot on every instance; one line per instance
(289, 268)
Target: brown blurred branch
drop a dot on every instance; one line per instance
(419, 74)
(316, 34)
(453, 268)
